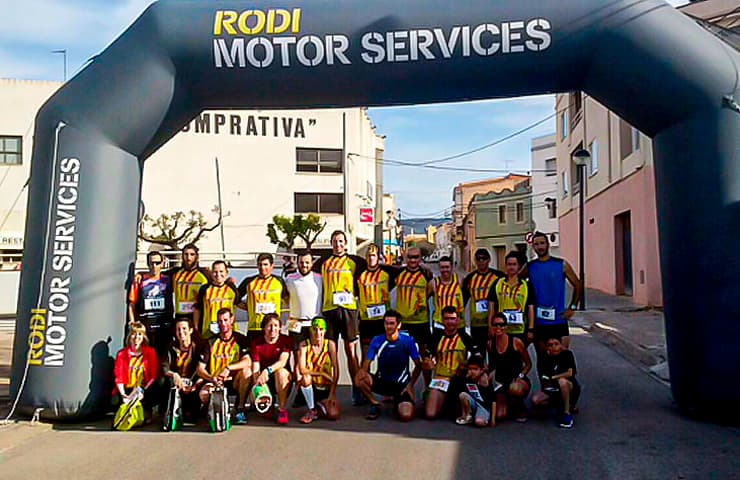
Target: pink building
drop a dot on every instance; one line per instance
(621, 230)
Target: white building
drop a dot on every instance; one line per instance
(271, 162)
(545, 189)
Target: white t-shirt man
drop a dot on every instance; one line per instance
(305, 299)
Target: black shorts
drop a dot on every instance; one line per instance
(420, 332)
(344, 322)
(543, 332)
(480, 337)
(391, 389)
(300, 337)
(370, 329)
(553, 393)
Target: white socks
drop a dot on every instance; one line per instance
(308, 395)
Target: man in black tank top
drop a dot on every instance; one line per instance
(509, 363)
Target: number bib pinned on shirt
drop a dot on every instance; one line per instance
(265, 308)
(547, 314)
(375, 311)
(185, 307)
(514, 317)
(153, 304)
(439, 384)
(343, 298)
(481, 306)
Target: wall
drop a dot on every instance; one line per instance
(9, 281)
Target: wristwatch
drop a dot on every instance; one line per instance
(521, 375)
(269, 370)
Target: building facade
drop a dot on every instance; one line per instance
(621, 230)
(270, 162)
(545, 190)
(502, 220)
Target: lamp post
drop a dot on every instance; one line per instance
(581, 158)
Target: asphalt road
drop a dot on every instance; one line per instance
(627, 429)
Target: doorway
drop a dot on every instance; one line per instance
(623, 253)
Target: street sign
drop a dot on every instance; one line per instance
(529, 237)
(366, 215)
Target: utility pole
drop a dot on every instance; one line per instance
(64, 55)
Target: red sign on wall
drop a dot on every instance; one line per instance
(366, 215)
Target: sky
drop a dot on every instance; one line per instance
(32, 29)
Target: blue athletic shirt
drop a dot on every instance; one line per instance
(393, 357)
(548, 280)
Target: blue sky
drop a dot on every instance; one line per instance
(33, 28)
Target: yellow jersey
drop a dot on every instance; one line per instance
(449, 294)
(186, 284)
(412, 292)
(264, 295)
(476, 287)
(211, 299)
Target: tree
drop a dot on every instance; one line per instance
(177, 229)
(283, 231)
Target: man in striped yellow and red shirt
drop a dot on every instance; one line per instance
(187, 280)
(265, 292)
(447, 292)
(476, 286)
(217, 294)
(374, 286)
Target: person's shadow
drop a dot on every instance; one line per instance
(97, 403)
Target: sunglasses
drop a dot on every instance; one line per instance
(481, 259)
(414, 257)
(156, 263)
(499, 325)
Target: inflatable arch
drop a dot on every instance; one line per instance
(642, 59)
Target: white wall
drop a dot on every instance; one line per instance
(9, 281)
(545, 186)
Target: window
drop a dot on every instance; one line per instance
(502, 214)
(551, 167)
(520, 212)
(575, 106)
(319, 203)
(564, 181)
(629, 139)
(11, 150)
(552, 207)
(318, 160)
(594, 149)
(564, 125)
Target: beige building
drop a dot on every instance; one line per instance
(545, 190)
(271, 162)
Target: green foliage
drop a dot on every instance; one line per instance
(175, 230)
(284, 231)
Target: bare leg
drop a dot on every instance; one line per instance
(565, 388)
(282, 383)
(434, 404)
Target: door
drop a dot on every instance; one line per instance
(623, 253)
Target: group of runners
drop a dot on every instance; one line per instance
(182, 335)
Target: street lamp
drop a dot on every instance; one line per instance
(581, 158)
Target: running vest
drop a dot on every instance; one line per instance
(338, 274)
(320, 363)
(223, 353)
(264, 295)
(186, 284)
(507, 365)
(183, 363)
(411, 296)
(210, 300)
(513, 302)
(135, 371)
(375, 297)
(451, 354)
(446, 295)
(478, 285)
(151, 296)
(548, 280)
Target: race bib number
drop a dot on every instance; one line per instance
(439, 384)
(474, 392)
(154, 304)
(343, 298)
(214, 328)
(514, 317)
(375, 311)
(481, 306)
(265, 308)
(546, 313)
(185, 307)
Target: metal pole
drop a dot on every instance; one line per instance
(64, 55)
(581, 241)
(220, 211)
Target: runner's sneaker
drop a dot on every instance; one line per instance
(374, 412)
(310, 416)
(240, 418)
(466, 420)
(282, 417)
(567, 421)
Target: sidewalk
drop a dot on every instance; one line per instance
(636, 332)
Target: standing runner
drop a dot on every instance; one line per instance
(265, 292)
(447, 292)
(475, 288)
(339, 273)
(374, 285)
(217, 294)
(187, 279)
(305, 291)
(150, 302)
(514, 297)
(548, 275)
(413, 289)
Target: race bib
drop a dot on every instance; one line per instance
(439, 384)
(343, 298)
(481, 306)
(185, 307)
(514, 317)
(375, 311)
(546, 313)
(154, 304)
(265, 308)
(214, 328)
